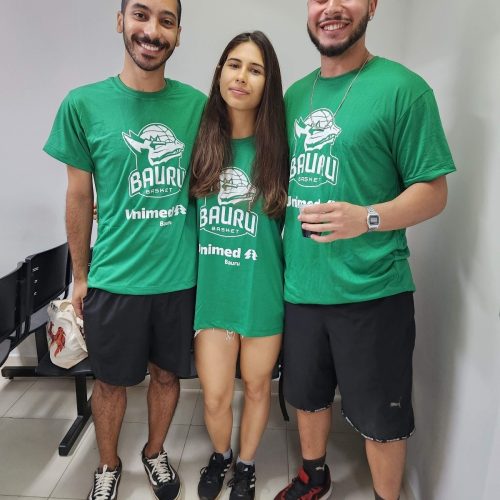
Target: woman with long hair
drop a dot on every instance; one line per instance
(239, 177)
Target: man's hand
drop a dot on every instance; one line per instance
(79, 293)
(341, 220)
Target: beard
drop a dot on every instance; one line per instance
(146, 63)
(337, 50)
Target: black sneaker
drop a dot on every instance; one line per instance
(163, 478)
(243, 482)
(106, 483)
(212, 476)
(301, 489)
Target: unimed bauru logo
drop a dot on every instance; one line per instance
(158, 154)
(313, 163)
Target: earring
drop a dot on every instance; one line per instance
(371, 17)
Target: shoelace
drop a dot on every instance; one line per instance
(241, 480)
(297, 489)
(104, 483)
(161, 467)
(213, 470)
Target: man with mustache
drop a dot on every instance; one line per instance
(368, 159)
(132, 135)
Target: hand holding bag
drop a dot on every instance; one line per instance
(65, 334)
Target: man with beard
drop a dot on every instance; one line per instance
(368, 159)
(132, 136)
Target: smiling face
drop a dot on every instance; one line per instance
(335, 26)
(150, 32)
(242, 78)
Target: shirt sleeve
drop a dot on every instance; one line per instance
(421, 148)
(67, 141)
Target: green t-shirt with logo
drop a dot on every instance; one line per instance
(137, 145)
(240, 267)
(386, 136)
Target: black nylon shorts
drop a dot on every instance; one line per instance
(366, 350)
(125, 332)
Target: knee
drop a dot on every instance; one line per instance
(107, 390)
(217, 404)
(257, 390)
(162, 377)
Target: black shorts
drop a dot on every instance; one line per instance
(366, 349)
(125, 332)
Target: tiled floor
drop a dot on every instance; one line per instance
(35, 414)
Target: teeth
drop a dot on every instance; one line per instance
(147, 46)
(334, 27)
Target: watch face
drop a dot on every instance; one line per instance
(373, 220)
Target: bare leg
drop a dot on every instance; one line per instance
(313, 430)
(387, 462)
(108, 408)
(215, 356)
(163, 394)
(257, 359)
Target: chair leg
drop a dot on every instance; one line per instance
(84, 412)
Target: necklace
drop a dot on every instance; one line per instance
(316, 125)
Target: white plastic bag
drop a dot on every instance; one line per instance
(65, 334)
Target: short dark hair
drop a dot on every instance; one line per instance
(179, 9)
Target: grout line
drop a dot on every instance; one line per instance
(20, 396)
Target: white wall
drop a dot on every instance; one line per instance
(51, 46)
(456, 451)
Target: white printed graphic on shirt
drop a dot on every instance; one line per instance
(158, 154)
(227, 219)
(313, 163)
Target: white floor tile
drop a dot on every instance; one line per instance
(47, 398)
(3, 497)
(38, 413)
(77, 479)
(11, 391)
(137, 410)
(31, 446)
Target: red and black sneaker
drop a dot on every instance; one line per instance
(301, 489)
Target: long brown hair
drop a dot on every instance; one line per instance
(212, 149)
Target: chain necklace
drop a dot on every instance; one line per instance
(316, 125)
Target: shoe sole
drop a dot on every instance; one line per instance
(176, 498)
(328, 494)
(215, 498)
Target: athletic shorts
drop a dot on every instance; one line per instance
(125, 332)
(366, 350)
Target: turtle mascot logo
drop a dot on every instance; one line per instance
(313, 163)
(158, 154)
(231, 216)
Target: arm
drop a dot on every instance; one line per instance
(79, 209)
(419, 202)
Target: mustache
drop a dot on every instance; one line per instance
(336, 17)
(156, 42)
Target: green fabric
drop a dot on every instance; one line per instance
(137, 145)
(386, 136)
(240, 268)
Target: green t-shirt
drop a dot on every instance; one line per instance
(386, 136)
(137, 145)
(240, 267)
